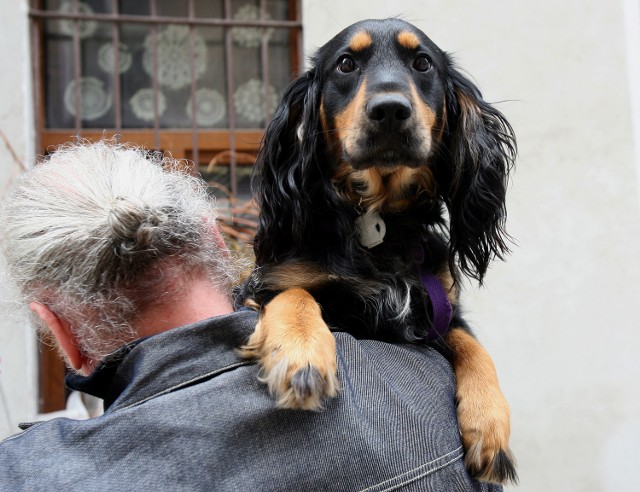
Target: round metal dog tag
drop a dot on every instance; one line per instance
(371, 229)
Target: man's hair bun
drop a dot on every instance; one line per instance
(133, 225)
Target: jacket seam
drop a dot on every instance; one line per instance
(144, 400)
(24, 432)
(407, 476)
(184, 384)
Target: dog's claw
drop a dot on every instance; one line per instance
(305, 389)
(491, 466)
(308, 382)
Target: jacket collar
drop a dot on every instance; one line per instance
(167, 361)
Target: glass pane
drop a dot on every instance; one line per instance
(84, 6)
(279, 9)
(281, 69)
(211, 98)
(210, 8)
(139, 7)
(171, 8)
(135, 83)
(179, 62)
(256, 90)
(247, 79)
(251, 10)
(256, 93)
(58, 74)
(93, 93)
(174, 76)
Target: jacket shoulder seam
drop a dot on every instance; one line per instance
(184, 384)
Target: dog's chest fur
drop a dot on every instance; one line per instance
(368, 292)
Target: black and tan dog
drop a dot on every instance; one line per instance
(381, 179)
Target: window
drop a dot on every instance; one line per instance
(193, 77)
(197, 78)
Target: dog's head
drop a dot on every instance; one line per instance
(384, 120)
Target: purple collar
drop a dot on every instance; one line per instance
(441, 308)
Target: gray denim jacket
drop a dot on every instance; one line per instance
(183, 412)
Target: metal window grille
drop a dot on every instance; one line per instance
(79, 19)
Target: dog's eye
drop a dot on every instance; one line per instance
(346, 64)
(422, 63)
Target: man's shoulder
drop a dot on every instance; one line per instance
(392, 425)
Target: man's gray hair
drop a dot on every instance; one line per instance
(99, 231)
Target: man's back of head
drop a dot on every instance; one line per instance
(98, 232)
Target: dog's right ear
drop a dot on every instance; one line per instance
(287, 169)
(483, 149)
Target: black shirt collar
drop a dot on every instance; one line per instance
(156, 364)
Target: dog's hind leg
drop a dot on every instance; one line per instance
(296, 351)
(483, 411)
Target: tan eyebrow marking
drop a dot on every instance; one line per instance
(408, 40)
(360, 41)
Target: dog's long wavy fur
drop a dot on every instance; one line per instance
(454, 213)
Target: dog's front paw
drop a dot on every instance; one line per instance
(483, 411)
(483, 416)
(296, 351)
(302, 381)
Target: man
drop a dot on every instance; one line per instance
(119, 258)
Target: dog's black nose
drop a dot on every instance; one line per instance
(389, 109)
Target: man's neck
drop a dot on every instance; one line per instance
(197, 300)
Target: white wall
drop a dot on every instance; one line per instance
(559, 316)
(18, 392)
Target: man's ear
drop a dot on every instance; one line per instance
(219, 240)
(63, 334)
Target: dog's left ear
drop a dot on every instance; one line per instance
(287, 172)
(482, 150)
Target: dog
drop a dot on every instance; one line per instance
(380, 182)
